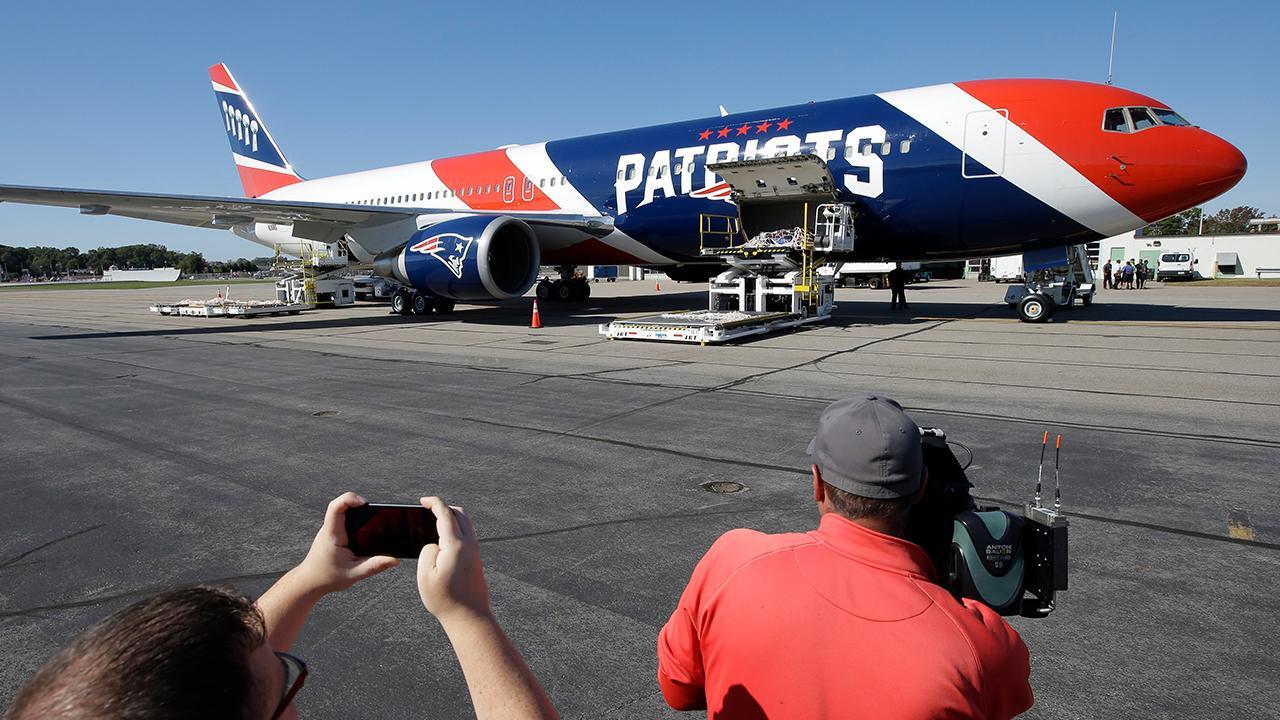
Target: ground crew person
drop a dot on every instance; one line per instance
(898, 285)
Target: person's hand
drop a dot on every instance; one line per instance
(329, 565)
(450, 576)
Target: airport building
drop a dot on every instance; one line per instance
(1242, 255)
(1254, 254)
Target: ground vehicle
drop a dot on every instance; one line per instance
(1176, 265)
(1052, 280)
(872, 274)
(1006, 269)
(372, 287)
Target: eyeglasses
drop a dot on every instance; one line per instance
(295, 673)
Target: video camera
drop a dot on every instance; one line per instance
(1013, 562)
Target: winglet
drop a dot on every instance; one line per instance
(261, 164)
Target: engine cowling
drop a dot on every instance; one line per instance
(475, 257)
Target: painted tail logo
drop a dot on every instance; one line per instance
(258, 159)
(449, 248)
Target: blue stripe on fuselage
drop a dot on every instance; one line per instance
(925, 208)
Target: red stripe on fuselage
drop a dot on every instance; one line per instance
(260, 182)
(478, 180)
(218, 73)
(1154, 173)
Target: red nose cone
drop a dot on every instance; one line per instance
(1170, 169)
(1219, 166)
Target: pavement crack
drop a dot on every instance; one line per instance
(9, 562)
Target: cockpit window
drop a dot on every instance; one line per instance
(1137, 119)
(1115, 121)
(1142, 119)
(1169, 117)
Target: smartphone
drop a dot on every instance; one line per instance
(387, 529)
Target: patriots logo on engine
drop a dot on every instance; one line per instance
(449, 248)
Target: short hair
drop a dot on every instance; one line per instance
(855, 506)
(182, 654)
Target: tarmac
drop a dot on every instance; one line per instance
(142, 452)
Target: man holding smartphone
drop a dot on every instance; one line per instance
(205, 652)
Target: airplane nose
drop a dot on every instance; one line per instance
(1219, 165)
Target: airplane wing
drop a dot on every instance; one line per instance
(197, 210)
(311, 220)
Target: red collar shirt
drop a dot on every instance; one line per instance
(838, 622)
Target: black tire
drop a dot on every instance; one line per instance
(400, 303)
(421, 305)
(586, 291)
(443, 305)
(1086, 300)
(563, 291)
(544, 290)
(874, 283)
(1035, 308)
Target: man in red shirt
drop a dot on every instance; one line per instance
(844, 620)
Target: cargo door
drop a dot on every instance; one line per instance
(984, 137)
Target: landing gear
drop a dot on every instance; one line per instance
(408, 301)
(570, 287)
(401, 302)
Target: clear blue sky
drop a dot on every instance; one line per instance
(116, 96)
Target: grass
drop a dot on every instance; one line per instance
(128, 285)
(1243, 282)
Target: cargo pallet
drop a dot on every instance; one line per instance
(228, 309)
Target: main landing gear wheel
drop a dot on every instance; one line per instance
(1035, 308)
(400, 303)
(421, 305)
(544, 290)
(443, 305)
(563, 291)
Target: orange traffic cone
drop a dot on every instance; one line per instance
(657, 286)
(537, 318)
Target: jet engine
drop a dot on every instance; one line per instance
(475, 257)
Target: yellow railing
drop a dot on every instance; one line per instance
(727, 227)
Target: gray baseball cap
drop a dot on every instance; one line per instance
(866, 445)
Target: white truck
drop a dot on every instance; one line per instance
(867, 274)
(1007, 268)
(1176, 265)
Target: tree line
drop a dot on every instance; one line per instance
(50, 261)
(1224, 222)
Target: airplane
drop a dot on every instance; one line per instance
(950, 171)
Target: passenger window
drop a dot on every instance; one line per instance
(831, 153)
(848, 152)
(904, 147)
(885, 148)
(1115, 121)
(542, 181)
(866, 147)
(661, 171)
(1142, 118)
